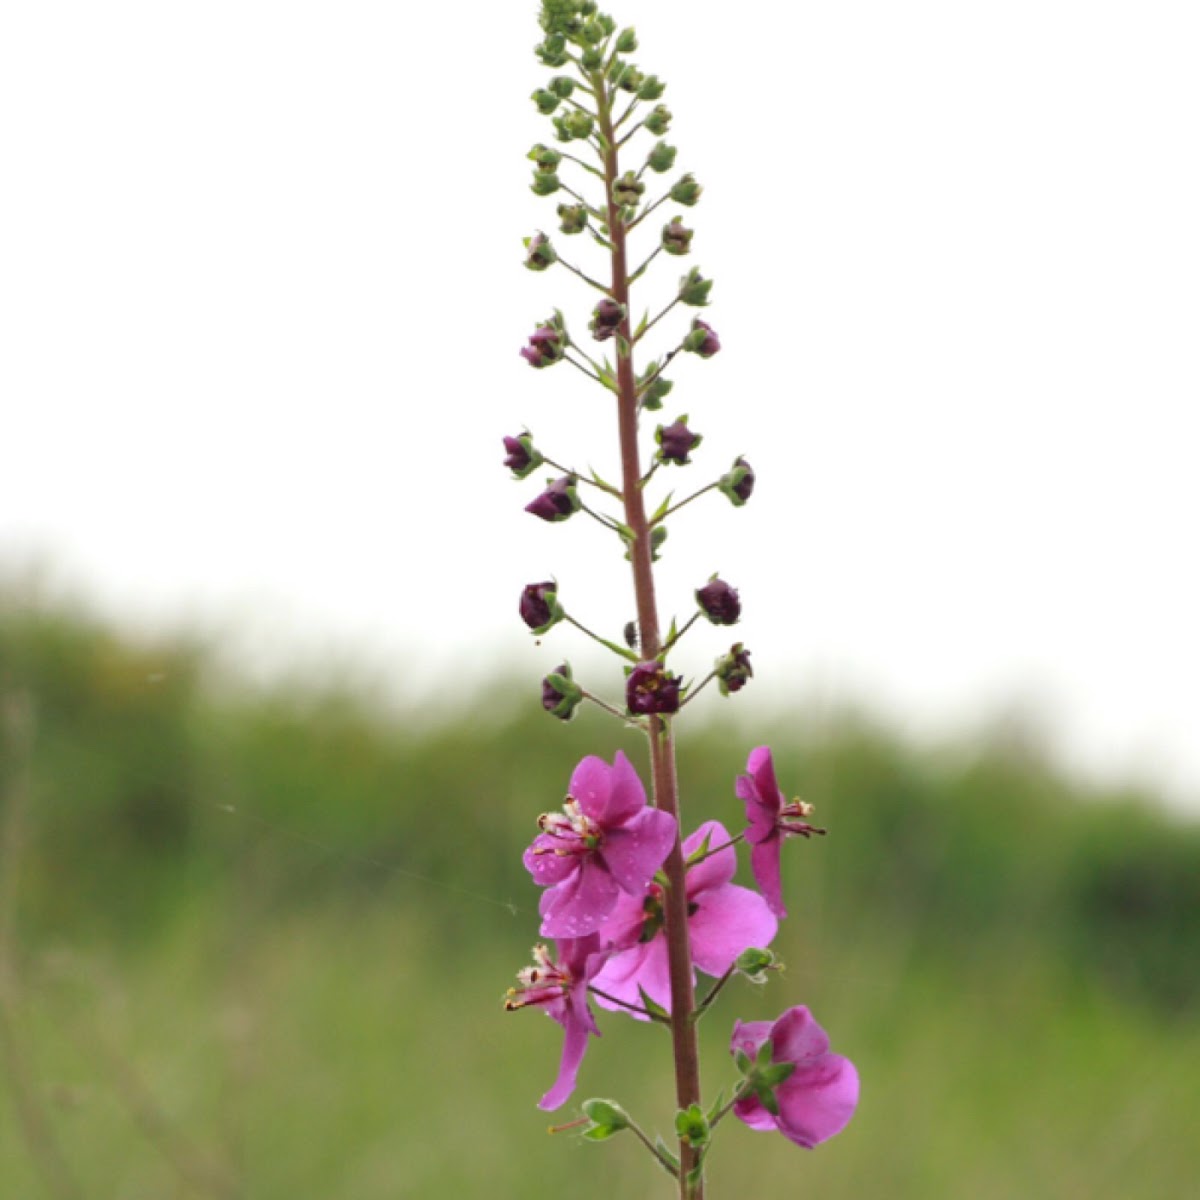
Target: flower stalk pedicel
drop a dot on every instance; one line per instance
(635, 909)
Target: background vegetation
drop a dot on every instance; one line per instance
(253, 944)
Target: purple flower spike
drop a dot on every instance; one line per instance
(604, 842)
(560, 988)
(558, 502)
(818, 1098)
(723, 920)
(650, 688)
(772, 818)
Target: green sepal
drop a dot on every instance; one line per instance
(755, 962)
(763, 1057)
(606, 1112)
(776, 1073)
(627, 41)
(650, 1006)
(562, 86)
(546, 101)
(767, 1099)
(692, 1126)
(658, 538)
(591, 59)
(673, 632)
(601, 1133)
(744, 1062)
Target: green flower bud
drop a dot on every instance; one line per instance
(733, 670)
(659, 120)
(627, 42)
(676, 238)
(738, 483)
(628, 190)
(561, 695)
(544, 158)
(546, 101)
(562, 86)
(560, 17)
(755, 963)
(627, 77)
(540, 253)
(573, 218)
(650, 88)
(592, 59)
(661, 158)
(694, 289)
(592, 32)
(686, 190)
(544, 184)
(553, 51)
(692, 1126)
(580, 124)
(609, 25)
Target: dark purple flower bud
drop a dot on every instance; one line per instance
(719, 602)
(521, 458)
(733, 669)
(539, 253)
(738, 484)
(539, 606)
(650, 688)
(676, 237)
(557, 502)
(676, 442)
(607, 315)
(702, 340)
(547, 343)
(561, 695)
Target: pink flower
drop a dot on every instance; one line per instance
(771, 819)
(723, 920)
(604, 842)
(561, 989)
(820, 1095)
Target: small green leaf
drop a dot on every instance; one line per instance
(600, 1133)
(661, 1147)
(767, 1099)
(763, 1057)
(716, 1106)
(742, 1059)
(662, 509)
(700, 851)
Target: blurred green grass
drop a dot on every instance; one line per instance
(262, 937)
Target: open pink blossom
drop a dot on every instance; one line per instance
(560, 988)
(819, 1097)
(772, 818)
(604, 842)
(723, 920)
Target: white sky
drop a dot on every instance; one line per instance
(261, 301)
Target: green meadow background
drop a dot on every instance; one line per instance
(253, 945)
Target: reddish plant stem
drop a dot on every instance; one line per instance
(662, 748)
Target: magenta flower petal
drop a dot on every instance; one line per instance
(575, 1038)
(590, 786)
(764, 862)
(635, 851)
(714, 871)
(762, 817)
(796, 1036)
(762, 767)
(546, 867)
(643, 966)
(818, 1099)
(581, 903)
(626, 796)
(727, 920)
